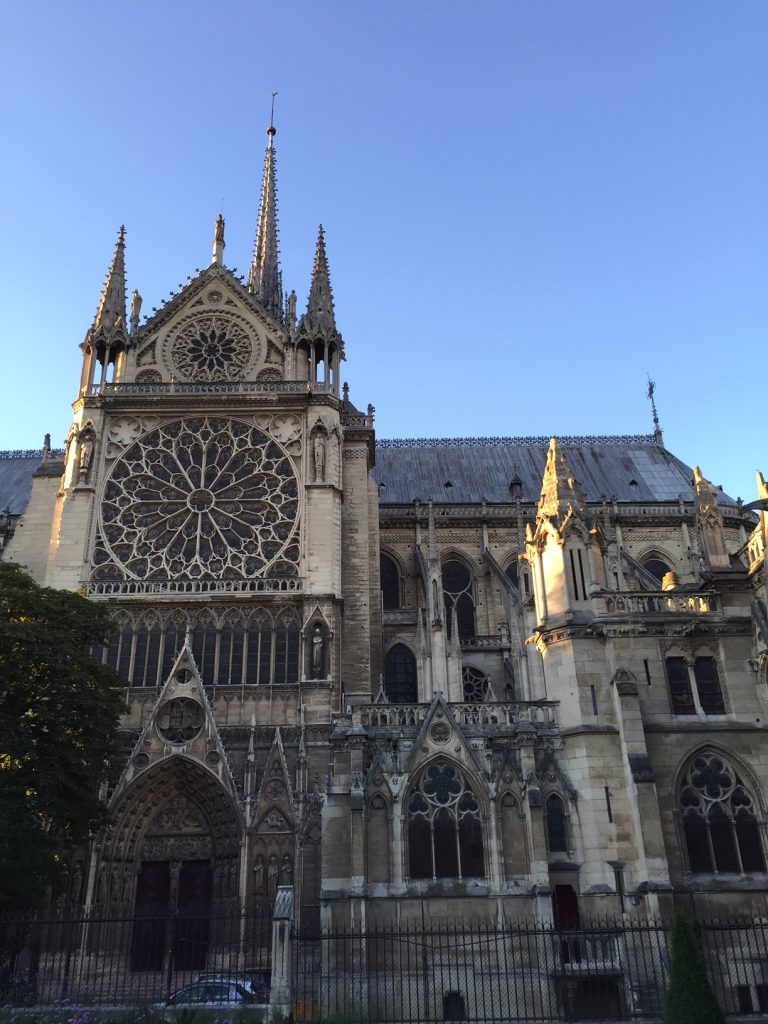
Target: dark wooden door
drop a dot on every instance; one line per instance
(152, 895)
(193, 901)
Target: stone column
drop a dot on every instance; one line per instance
(282, 922)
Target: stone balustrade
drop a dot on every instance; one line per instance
(541, 713)
(126, 588)
(667, 602)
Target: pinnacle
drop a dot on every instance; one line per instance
(560, 491)
(111, 309)
(320, 317)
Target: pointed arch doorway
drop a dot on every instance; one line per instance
(178, 833)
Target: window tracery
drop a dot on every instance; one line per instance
(445, 836)
(720, 818)
(232, 647)
(400, 679)
(476, 684)
(211, 348)
(203, 498)
(457, 594)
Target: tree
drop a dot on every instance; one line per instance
(690, 999)
(59, 711)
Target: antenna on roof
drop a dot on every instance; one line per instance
(656, 428)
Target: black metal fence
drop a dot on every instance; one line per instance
(517, 972)
(494, 972)
(136, 960)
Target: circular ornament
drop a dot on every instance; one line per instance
(440, 733)
(202, 498)
(213, 759)
(211, 348)
(141, 761)
(180, 720)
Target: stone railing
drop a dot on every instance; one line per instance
(488, 643)
(542, 713)
(235, 387)
(125, 588)
(668, 602)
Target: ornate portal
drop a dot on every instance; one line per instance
(203, 498)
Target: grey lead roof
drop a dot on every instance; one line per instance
(629, 469)
(476, 468)
(16, 469)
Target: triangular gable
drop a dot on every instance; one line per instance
(551, 774)
(275, 810)
(191, 294)
(181, 723)
(440, 734)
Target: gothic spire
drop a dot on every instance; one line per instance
(111, 309)
(320, 317)
(264, 277)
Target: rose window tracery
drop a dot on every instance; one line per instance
(203, 498)
(211, 348)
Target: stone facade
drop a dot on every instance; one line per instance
(471, 678)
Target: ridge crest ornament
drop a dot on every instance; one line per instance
(203, 498)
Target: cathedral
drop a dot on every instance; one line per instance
(472, 678)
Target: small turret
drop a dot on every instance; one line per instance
(710, 522)
(317, 336)
(105, 343)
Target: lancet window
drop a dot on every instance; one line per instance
(557, 831)
(390, 582)
(457, 594)
(232, 648)
(400, 680)
(445, 834)
(720, 817)
(706, 679)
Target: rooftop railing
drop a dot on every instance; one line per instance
(542, 713)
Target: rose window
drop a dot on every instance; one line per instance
(211, 348)
(180, 720)
(204, 499)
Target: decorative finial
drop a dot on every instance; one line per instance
(656, 428)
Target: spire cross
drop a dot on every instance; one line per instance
(272, 130)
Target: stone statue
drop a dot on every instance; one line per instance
(135, 309)
(318, 651)
(86, 455)
(218, 234)
(318, 452)
(287, 870)
(258, 876)
(273, 873)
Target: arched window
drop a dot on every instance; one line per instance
(557, 834)
(400, 683)
(390, 582)
(445, 835)
(656, 566)
(512, 572)
(457, 593)
(720, 819)
(477, 685)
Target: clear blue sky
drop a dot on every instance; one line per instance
(528, 205)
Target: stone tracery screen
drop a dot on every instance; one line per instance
(203, 499)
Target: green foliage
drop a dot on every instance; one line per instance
(690, 999)
(59, 712)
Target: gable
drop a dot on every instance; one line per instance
(211, 332)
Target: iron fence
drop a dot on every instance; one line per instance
(517, 972)
(396, 973)
(129, 960)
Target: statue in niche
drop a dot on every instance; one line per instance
(86, 455)
(273, 873)
(258, 876)
(287, 870)
(318, 651)
(318, 454)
